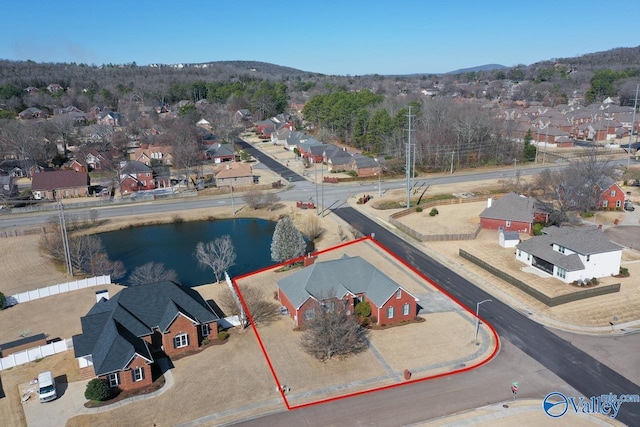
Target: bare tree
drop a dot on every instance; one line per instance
(312, 228)
(218, 255)
(261, 310)
(332, 332)
(151, 272)
(271, 200)
(253, 198)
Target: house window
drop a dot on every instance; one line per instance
(330, 306)
(137, 374)
(399, 294)
(406, 309)
(206, 330)
(114, 379)
(180, 341)
(605, 203)
(391, 312)
(613, 193)
(507, 224)
(519, 252)
(310, 314)
(562, 273)
(528, 257)
(618, 203)
(588, 258)
(561, 249)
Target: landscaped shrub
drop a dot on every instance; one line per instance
(419, 209)
(537, 229)
(433, 212)
(223, 335)
(205, 341)
(363, 309)
(624, 271)
(3, 301)
(97, 389)
(373, 319)
(594, 281)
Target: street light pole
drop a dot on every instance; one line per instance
(633, 126)
(379, 179)
(478, 318)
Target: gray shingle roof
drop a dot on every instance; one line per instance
(134, 167)
(582, 240)
(512, 207)
(112, 330)
(337, 278)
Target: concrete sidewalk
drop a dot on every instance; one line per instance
(521, 413)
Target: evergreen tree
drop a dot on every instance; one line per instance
(288, 242)
(529, 150)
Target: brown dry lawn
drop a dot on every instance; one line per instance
(449, 336)
(25, 268)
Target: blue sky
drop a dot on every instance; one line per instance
(332, 37)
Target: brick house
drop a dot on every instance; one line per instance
(233, 173)
(611, 195)
(157, 154)
(136, 176)
(346, 281)
(124, 336)
(54, 185)
(514, 213)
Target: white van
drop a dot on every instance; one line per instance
(46, 387)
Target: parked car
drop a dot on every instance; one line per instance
(46, 387)
(628, 206)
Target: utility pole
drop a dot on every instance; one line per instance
(633, 126)
(324, 153)
(315, 179)
(452, 153)
(65, 239)
(233, 204)
(546, 136)
(408, 165)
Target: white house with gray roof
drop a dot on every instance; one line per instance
(345, 281)
(571, 253)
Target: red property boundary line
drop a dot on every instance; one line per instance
(376, 389)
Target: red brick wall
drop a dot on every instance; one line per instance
(397, 304)
(606, 195)
(126, 376)
(179, 326)
(285, 302)
(494, 224)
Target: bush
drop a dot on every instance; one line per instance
(97, 389)
(205, 341)
(419, 209)
(624, 271)
(594, 281)
(373, 319)
(223, 335)
(363, 309)
(537, 229)
(433, 212)
(3, 301)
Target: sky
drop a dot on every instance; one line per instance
(347, 37)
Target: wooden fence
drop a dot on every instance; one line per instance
(393, 219)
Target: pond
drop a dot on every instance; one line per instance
(174, 246)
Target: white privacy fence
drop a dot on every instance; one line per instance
(35, 353)
(58, 289)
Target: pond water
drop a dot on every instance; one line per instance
(174, 245)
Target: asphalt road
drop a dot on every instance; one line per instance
(542, 361)
(577, 368)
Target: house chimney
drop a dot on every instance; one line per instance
(489, 202)
(102, 294)
(308, 260)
